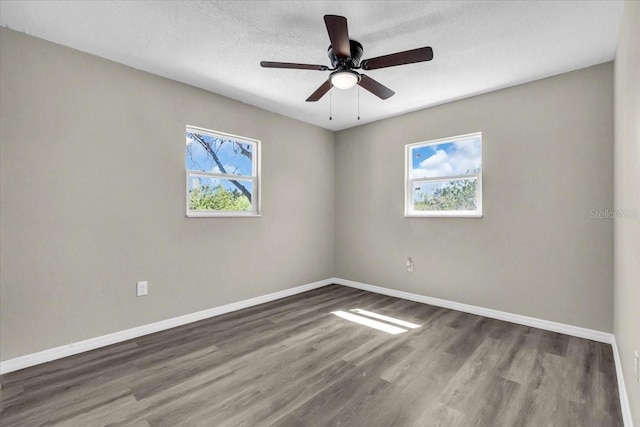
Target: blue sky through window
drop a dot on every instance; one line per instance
(448, 158)
(229, 154)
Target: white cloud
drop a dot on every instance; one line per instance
(464, 157)
(436, 165)
(200, 181)
(435, 161)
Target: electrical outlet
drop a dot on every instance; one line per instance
(142, 288)
(409, 265)
(635, 361)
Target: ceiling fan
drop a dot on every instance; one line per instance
(345, 57)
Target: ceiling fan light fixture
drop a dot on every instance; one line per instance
(345, 79)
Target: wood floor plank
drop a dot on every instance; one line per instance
(292, 362)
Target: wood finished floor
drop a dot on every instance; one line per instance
(293, 363)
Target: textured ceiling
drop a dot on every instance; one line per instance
(479, 46)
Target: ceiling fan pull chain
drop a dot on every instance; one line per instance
(330, 105)
(358, 102)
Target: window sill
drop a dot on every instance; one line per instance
(444, 215)
(221, 215)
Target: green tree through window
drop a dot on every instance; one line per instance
(457, 195)
(218, 198)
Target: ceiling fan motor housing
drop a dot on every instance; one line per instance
(347, 63)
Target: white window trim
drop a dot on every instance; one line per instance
(254, 178)
(409, 212)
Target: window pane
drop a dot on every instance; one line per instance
(458, 157)
(450, 195)
(212, 154)
(215, 194)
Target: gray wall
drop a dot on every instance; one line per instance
(93, 191)
(547, 162)
(627, 198)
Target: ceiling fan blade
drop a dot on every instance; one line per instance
(339, 35)
(319, 93)
(269, 64)
(378, 89)
(407, 57)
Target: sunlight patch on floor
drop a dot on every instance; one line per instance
(385, 327)
(386, 318)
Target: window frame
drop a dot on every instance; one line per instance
(409, 212)
(254, 178)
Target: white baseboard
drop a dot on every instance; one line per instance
(624, 398)
(547, 325)
(33, 359)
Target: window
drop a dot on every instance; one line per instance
(444, 177)
(222, 174)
